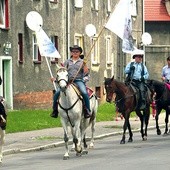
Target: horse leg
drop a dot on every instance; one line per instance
(2, 138)
(66, 139)
(166, 122)
(126, 122)
(76, 141)
(83, 128)
(146, 117)
(92, 134)
(141, 117)
(130, 133)
(156, 119)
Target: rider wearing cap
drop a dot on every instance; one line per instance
(166, 71)
(76, 68)
(138, 74)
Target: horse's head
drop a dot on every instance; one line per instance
(62, 78)
(110, 87)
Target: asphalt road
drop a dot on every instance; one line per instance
(108, 154)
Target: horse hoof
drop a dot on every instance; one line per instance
(91, 146)
(158, 132)
(144, 138)
(72, 149)
(84, 152)
(165, 134)
(66, 157)
(122, 142)
(130, 140)
(78, 154)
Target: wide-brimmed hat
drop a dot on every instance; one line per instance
(76, 47)
(138, 53)
(168, 58)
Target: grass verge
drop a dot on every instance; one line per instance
(27, 120)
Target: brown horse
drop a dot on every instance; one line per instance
(126, 102)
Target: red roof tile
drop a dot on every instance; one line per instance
(155, 11)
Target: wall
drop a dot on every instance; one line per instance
(159, 50)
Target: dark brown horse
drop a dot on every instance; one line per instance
(126, 102)
(162, 101)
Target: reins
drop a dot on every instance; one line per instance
(67, 109)
(125, 97)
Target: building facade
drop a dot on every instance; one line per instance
(25, 74)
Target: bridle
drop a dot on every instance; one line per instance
(72, 106)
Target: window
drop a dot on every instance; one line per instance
(54, 40)
(54, 1)
(78, 3)
(133, 8)
(108, 6)
(108, 51)
(98, 92)
(36, 53)
(95, 4)
(78, 40)
(4, 15)
(95, 51)
(20, 48)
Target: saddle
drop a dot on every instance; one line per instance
(167, 86)
(137, 93)
(89, 90)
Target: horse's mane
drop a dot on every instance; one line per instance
(158, 84)
(109, 80)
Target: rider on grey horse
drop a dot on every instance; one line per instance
(76, 68)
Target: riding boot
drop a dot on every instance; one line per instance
(87, 113)
(143, 101)
(54, 114)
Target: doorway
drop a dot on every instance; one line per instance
(6, 75)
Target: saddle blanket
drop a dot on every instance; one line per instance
(167, 85)
(89, 91)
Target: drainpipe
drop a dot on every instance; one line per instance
(68, 27)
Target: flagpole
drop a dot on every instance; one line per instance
(50, 72)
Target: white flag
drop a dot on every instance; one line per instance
(46, 47)
(120, 23)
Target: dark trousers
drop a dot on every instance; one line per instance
(141, 86)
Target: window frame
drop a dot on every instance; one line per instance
(5, 18)
(54, 40)
(20, 48)
(78, 4)
(109, 6)
(37, 58)
(95, 5)
(53, 1)
(78, 40)
(109, 61)
(95, 57)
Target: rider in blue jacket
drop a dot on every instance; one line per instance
(138, 75)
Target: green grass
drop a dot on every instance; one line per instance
(27, 120)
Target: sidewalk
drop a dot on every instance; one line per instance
(53, 137)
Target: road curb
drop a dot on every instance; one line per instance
(59, 144)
